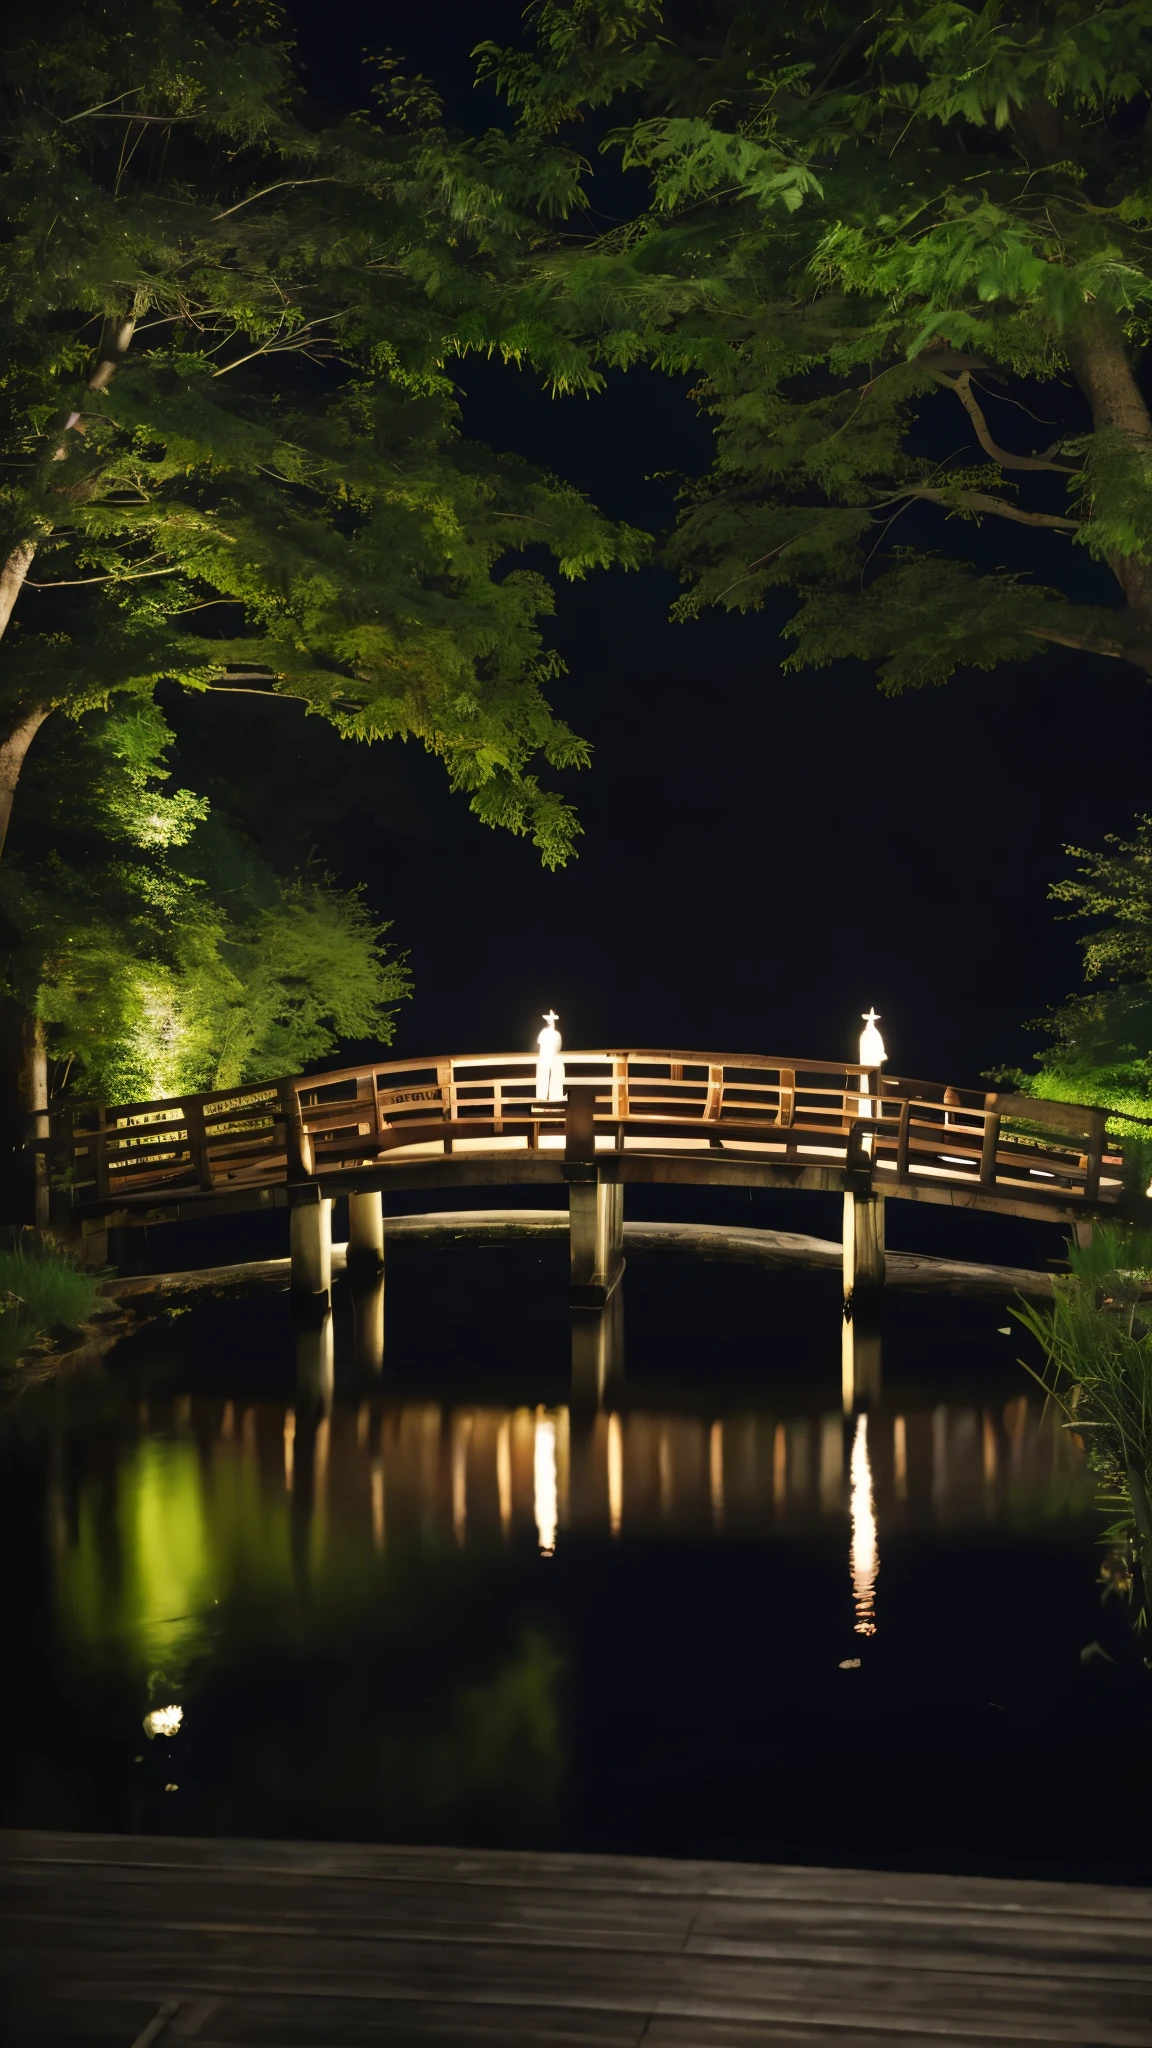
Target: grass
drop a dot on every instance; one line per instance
(40, 1292)
(1098, 1371)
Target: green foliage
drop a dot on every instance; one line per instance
(226, 424)
(1098, 1372)
(861, 232)
(1102, 1049)
(162, 951)
(39, 1292)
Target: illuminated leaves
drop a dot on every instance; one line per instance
(838, 204)
(275, 476)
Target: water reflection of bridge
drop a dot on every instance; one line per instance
(384, 1471)
(196, 1502)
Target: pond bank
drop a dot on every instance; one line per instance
(713, 1242)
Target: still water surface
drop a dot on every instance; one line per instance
(456, 1600)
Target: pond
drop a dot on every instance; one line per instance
(462, 1599)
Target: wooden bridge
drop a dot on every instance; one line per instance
(635, 1117)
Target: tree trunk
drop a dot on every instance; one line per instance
(115, 341)
(1100, 363)
(12, 753)
(12, 579)
(35, 1092)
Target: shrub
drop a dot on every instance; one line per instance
(1098, 1371)
(39, 1292)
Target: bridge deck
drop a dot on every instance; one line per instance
(309, 1945)
(712, 1118)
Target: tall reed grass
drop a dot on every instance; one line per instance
(1097, 1345)
(40, 1291)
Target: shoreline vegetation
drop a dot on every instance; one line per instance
(48, 1303)
(1097, 1344)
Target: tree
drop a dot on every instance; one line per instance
(873, 240)
(159, 952)
(1102, 1040)
(231, 450)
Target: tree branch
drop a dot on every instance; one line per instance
(1138, 652)
(982, 501)
(152, 120)
(762, 563)
(87, 113)
(962, 386)
(245, 690)
(129, 576)
(298, 340)
(283, 184)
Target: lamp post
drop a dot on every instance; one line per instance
(872, 1054)
(863, 1207)
(549, 1065)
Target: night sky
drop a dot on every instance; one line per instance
(763, 855)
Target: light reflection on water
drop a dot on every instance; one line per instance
(545, 1488)
(208, 1499)
(865, 1555)
(431, 1618)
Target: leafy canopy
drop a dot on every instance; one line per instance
(1101, 1052)
(231, 447)
(162, 951)
(872, 240)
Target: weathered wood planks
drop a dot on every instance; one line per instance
(319, 1945)
(751, 1110)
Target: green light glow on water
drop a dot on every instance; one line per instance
(434, 1619)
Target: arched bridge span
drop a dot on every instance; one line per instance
(630, 1117)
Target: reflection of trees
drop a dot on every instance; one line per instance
(138, 1573)
(333, 1680)
(381, 1734)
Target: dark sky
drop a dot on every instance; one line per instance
(764, 856)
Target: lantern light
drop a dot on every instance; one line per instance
(549, 1065)
(872, 1053)
(163, 1721)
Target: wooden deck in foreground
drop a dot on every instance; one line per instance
(315, 1945)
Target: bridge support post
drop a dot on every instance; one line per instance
(860, 1361)
(863, 1245)
(368, 1323)
(315, 1373)
(310, 1244)
(595, 1207)
(366, 1233)
(596, 1239)
(597, 1353)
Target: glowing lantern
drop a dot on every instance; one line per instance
(549, 1066)
(872, 1054)
(163, 1721)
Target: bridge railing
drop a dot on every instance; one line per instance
(791, 1112)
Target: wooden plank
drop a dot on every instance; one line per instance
(185, 1911)
(198, 1143)
(755, 1064)
(327, 1105)
(787, 1096)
